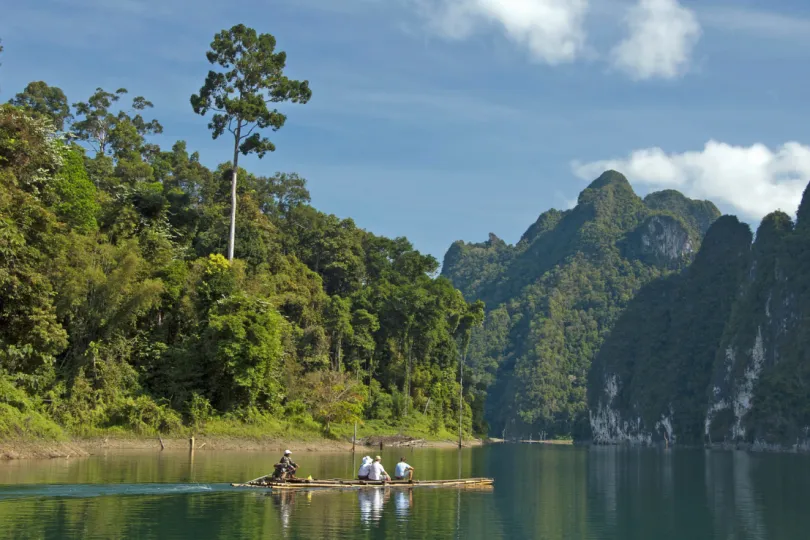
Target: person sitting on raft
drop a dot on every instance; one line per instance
(402, 469)
(365, 468)
(286, 467)
(377, 471)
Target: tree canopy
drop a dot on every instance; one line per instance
(118, 310)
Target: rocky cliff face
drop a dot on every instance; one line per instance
(648, 381)
(760, 388)
(718, 353)
(554, 296)
(662, 240)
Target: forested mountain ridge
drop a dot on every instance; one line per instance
(553, 297)
(120, 314)
(718, 354)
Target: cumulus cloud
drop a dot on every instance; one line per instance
(552, 30)
(753, 180)
(661, 37)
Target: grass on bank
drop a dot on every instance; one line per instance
(20, 419)
(54, 419)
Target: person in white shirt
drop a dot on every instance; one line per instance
(365, 468)
(403, 469)
(377, 471)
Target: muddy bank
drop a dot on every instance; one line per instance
(41, 450)
(95, 446)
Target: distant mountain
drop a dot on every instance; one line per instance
(554, 297)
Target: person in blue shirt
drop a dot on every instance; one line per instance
(402, 469)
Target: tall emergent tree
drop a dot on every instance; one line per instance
(106, 132)
(49, 101)
(252, 77)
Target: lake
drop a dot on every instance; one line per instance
(542, 492)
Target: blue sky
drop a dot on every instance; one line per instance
(443, 120)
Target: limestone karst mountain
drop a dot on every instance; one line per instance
(554, 296)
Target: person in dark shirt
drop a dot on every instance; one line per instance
(286, 467)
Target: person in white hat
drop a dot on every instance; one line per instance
(377, 471)
(286, 467)
(365, 468)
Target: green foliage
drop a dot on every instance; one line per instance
(48, 101)
(144, 416)
(252, 78)
(76, 194)
(20, 417)
(118, 315)
(242, 351)
(335, 397)
(121, 134)
(698, 214)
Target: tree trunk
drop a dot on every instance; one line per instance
(234, 174)
(408, 380)
(460, 394)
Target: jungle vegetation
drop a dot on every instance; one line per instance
(142, 292)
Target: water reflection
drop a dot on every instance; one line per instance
(403, 500)
(371, 503)
(284, 501)
(732, 494)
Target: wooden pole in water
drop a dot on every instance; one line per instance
(354, 437)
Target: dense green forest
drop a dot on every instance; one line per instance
(554, 297)
(120, 311)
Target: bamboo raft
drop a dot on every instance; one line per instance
(360, 484)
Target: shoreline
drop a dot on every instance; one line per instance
(85, 447)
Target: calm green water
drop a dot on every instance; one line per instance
(540, 492)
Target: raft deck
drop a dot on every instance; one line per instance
(359, 484)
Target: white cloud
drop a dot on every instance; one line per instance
(662, 35)
(552, 30)
(753, 180)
